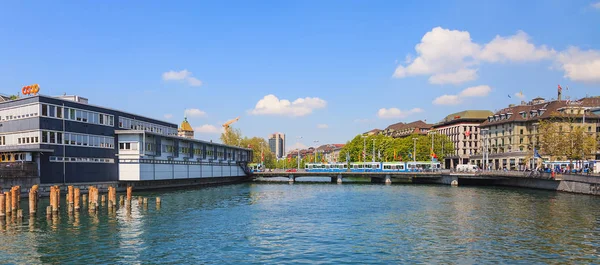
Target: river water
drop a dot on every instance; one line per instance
(276, 223)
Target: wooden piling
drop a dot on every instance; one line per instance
(145, 201)
(14, 200)
(70, 195)
(96, 197)
(20, 213)
(157, 200)
(49, 210)
(2, 205)
(103, 198)
(32, 202)
(54, 198)
(76, 198)
(57, 190)
(122, 200)
(7, 204)
(129, 192)
(139, 200)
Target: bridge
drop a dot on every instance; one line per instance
(442, 176)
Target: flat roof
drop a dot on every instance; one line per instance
(87, 104)
(178, 138)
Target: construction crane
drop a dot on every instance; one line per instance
(226, 125)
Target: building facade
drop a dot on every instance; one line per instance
(68, 140)
(277, 144)
(510, 135)
(463, 130)
(185, 130)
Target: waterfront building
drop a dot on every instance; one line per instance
(511, 134)
(406, 129)
(66, 140)
(277, 144)
(463, 130)
(372, 132)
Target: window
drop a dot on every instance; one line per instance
(84, 116)
(59, 138)
(101, 119)
(67, 138)
(52, 138)
(72, 114)
(78, 115)
(44, 110)
(44, 137)
(59, 112)
(52, 111)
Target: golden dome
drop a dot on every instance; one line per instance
(185, 126)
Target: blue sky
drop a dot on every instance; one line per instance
(354, 65)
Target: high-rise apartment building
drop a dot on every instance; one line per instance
(277, 144)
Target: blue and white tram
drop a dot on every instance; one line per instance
(420, 166)
(393, 167)
(321, 167)
(365, 166)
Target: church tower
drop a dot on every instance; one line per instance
(185, 130)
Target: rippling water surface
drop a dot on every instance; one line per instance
(262, 223)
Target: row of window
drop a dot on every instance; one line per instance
(51, 137)
(77, 115)
(21, 112)
(131, 124)
(128, 146)
(81, 159)
(174, 162)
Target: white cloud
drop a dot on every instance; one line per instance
(458, 77)
(271, 105)
(447, 100)
(396, 113)
(183, 75)
(322, 126)
(516, 48)
(168, 116)
(596, 5)
(194, 113)
(207, 128)
(580, 65)
(519, 95)
(451, 57)
(475, 91)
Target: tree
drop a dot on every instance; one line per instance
(232, 136)
(396, 149)
(563, 138)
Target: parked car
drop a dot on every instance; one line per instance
(291, 170)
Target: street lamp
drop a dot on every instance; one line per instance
(373, 150)
(298, 138)
(316, 149)
(415, 150)
(484, 134)
(364, 148)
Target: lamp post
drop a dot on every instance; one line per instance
(373, 150)
(484, 133)
(432, 134)
(298, 138)
(364, 149)
(316, 142)
(415, 150)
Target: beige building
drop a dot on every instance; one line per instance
(510, 135)
(463, 130)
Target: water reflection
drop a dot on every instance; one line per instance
(312, 223)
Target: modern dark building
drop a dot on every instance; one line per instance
(277, 144)
(66, 140)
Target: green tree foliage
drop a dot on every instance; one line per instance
(234, 137)
(402, 147)
(563, 139)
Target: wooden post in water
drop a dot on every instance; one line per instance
(32, 202)
(70, 195)
(140, 200)
(76, 199)
(129, 192)
(49, 211)
(7, 205)
(57, 197)
(122, 200)
(2, 205)
(157, 202)
(14, 200)
(54, 194)
(19, 213)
